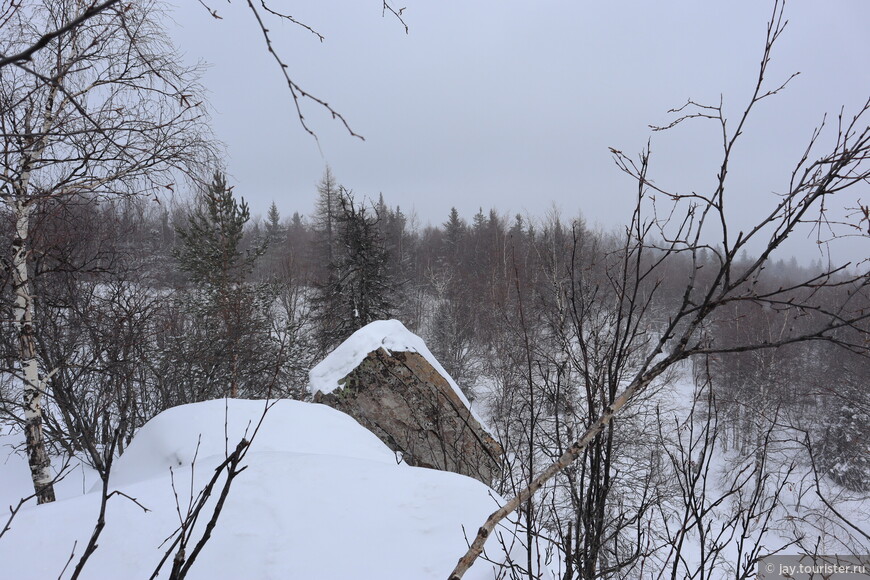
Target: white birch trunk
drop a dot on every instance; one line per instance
(34, 379)
(23, 309)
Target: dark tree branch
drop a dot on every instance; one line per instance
(45, 39)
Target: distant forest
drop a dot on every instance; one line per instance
(178, 301)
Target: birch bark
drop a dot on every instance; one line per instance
(34, 378)
(23, 311)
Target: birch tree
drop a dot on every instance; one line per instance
(102, 109)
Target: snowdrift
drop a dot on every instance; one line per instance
(322, 498)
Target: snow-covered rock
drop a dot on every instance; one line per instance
(391, 335)
(208, 431)
(386, 378)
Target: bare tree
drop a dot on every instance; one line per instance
(554, 378)
(686, 230)
(102, 110)
(727, 522)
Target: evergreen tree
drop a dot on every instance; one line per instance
(844, 453)
(209, 248)
(359, 287)
(297, 222)
(451, 329)
(274, 229)
(454, 232)
(229, 344)
(276, 263)
(479, 220)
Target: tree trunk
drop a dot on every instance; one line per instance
(34, 380)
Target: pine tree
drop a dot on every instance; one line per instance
(230, 322)
(209, 248)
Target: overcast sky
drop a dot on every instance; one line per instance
(513, 104)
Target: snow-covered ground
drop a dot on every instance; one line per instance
(322, 498)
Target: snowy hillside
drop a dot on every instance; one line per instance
(322, 498)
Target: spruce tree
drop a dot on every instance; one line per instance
(274, 229)
(454, 231)
(360, 286)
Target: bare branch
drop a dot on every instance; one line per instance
(27, 54)
(387, 7)
(296, 91)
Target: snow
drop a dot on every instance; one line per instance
(390, 335)
(173, 438)
(321, 498)
(15, 481)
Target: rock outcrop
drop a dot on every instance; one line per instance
(401, 397)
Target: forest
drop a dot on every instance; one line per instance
(674, 398)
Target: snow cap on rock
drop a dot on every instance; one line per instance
(388, 334)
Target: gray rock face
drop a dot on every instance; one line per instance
(403, 400)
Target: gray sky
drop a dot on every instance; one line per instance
(513, 104)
